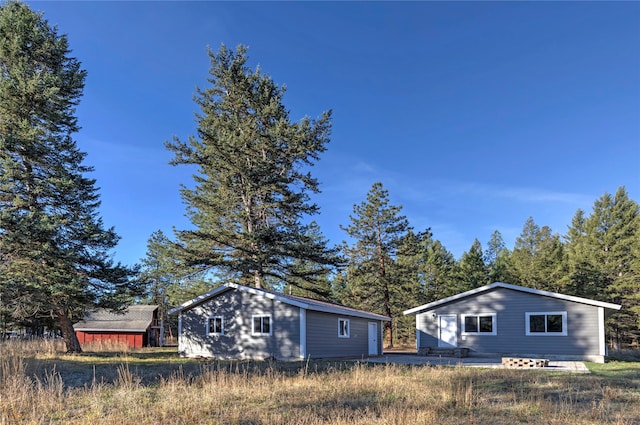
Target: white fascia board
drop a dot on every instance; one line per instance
(258, 292)
(514, 288)
(201, 298)
(228, 286)
(310, 306)
(347, 312)
(269, 295)
(559, 296)
(433, 304)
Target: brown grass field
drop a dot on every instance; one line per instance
(112, 385)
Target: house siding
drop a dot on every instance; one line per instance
(323, 340)
(510, 306)
(237, 341)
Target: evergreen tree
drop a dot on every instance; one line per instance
(612, 237)
(377, 229)
(472, 272)
(409, 273)
(159, 273)
(54, 248)
(439, 272)
(584, 278)
(497, 257)
(252, 184)
(308, 271)
(538, 259)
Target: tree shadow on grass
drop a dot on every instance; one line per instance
(153, 366)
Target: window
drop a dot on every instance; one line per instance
(551, 323)
(479, 324)
(215, 325)
(343, 328)
(261, 325)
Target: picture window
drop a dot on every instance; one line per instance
(552, 323)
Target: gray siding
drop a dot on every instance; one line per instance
(237, 342)
(323, 340)
(510, 307)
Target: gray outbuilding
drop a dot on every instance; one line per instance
(509, 320)
(238, 322)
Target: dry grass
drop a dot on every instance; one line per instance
(38, 385)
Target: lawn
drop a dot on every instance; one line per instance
(40, 385)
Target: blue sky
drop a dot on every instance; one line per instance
(474, 115)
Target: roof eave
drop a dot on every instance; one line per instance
(485, 288)
(110, 330)
(307, 306)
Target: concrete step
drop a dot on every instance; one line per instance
(443, 352)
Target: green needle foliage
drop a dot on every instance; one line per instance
(604, 259)
(252, 185)
(472, 271)
(54, 250)
(377, 230)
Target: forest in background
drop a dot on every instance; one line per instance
(389, 267)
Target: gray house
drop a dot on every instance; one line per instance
(239, 322)
(510, 320)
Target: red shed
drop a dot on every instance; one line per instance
(137, 326)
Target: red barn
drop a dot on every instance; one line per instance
(137, 326)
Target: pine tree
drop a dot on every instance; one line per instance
(585, 278)
(538, 260)
(309, 279)
(252, 183)
(440, 272)
(159, 273)
(54, 249)
(409, 273)
(472, 272)
(612, 235)
(377, 229)
(497, 257)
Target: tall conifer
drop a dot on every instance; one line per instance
(252, 185)
(612, 234)
(54, 248)
(377, 230)
(472, 272)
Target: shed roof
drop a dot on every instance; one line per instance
(495, 285)
(302, 302)
(135, 318)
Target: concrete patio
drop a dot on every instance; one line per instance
(414, 359)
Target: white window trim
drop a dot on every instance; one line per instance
(209, 332)
(253, 331)
(494, 323)
(527, 323)
(348, 335)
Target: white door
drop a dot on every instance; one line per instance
(373, 339)
(448, 331)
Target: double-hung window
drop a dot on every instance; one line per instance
(261, 324)
(546, 323)
(215, 325)
(479, 324)
(343, 328)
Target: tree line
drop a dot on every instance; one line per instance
(251, 211)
